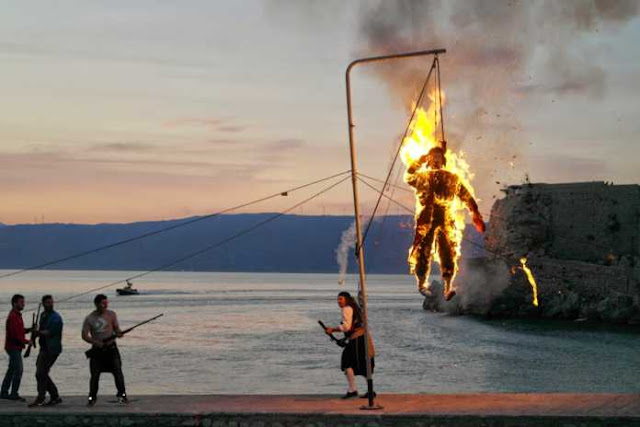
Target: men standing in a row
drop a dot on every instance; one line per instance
(50, 333)
(99, 329)
(15, 341)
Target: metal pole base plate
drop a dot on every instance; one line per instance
(375, 407)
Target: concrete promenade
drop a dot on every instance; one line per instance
(486, 409)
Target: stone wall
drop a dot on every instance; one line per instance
(582, 244)
(593, 222)
(306, 420)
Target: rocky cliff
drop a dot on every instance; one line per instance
(581, 243)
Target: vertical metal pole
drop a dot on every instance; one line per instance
(356, 207)
(359, 248)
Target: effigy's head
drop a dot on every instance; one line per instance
(436, 158)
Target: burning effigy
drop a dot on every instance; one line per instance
(441, 180)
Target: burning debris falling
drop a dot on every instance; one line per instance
(531, 279)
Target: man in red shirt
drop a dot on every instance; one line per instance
(15, 341)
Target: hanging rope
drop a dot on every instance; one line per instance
(395, 158)
(171, 227)
(439, 90)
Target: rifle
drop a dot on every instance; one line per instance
(35, 326)
(94, 350)
(339, 342)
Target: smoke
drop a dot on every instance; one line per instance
(347, 243)
(492, 44)
(480, 283)
(500, 54)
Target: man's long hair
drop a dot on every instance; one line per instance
(351, 302)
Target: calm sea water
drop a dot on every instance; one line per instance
(258, 333)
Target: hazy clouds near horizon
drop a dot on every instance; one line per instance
(128, 111)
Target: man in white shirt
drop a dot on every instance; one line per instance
(354, 361)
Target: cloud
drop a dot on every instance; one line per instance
(568, 168)
(278, 153)
(285, 144)
(231, 128)
(213, 123)
(194, 122)
(225, 141)
(121, 147)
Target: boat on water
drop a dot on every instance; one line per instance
(127, 290)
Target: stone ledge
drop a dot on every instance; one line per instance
(487, 409)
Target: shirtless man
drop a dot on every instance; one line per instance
(98, 326)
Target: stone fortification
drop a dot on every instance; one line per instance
(582, 242)
(594, 222)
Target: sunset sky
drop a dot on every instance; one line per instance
(124, 111)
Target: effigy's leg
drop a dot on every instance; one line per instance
(423, 262)
(447, 255)
(421, 228)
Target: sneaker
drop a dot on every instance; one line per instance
(91, 402)
(35, 403)
(17, 398)
(53, 402)
(122, 400)
(4, 396)
(449, 295)
(350, 394)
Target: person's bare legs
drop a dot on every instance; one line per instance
(351, 380)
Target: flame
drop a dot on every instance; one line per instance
(532, 280)
(422, 138)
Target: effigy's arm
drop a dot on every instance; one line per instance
(411, 176)
(465, 196)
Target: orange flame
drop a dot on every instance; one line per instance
(422, 139)
(532, 280)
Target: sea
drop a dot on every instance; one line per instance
(258, 333)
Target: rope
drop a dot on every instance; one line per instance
(395, 158)
(210, 247)
(381, 226)
(165, 229)
(444, 140)
(390, 198)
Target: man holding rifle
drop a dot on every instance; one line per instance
(50, 334)
(100, 329)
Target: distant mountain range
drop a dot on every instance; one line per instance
(291, 243)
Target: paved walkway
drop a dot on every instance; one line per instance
(601, 405)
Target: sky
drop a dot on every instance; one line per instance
(128, 111)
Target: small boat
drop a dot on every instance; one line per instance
(127, 290)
